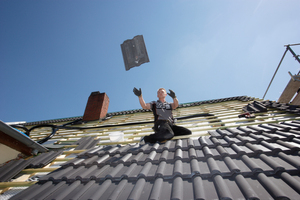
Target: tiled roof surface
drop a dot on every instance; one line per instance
(227, 156)
(247, 162)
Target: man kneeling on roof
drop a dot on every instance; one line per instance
(164, 126)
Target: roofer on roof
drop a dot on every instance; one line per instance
(164, 126)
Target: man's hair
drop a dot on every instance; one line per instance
(162, 89)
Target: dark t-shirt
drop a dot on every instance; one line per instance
(163, 110)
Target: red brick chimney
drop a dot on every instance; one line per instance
(96, 107)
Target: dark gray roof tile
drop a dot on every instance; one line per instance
(247, 150)
(215, 141)
(287, 136)
(260, 191)
(295, 140)
(85, 176)
(56, 174)
(72, 174)
(50, 190)
(195, 169)
(225, 133)
(138, 189)
(44, 190)
(190, 143)
(281, 127)
(215, 134)
(89, 191)
(239, 150)
(177, 189)
(274, 147)
(245, 187)
(223, 142)
(291, 181)
(231, 140)
(294, 125)
(114, 171)
(291, 145)
(13, 168)
(242, 166)
(271, 187)
(225, 171)
(89, 161)
(287, 166)
(178, 144)
(64, 191)
(293, 160)
(204, 169)
(272, 163)
(251, 164)
(112, 150)
(114, 159)
(232, 153)
(295, 132)
(257, 130)
(178, 168)
(205, 141)
(178, 154)
(145, 170)
(272, 137)
(207, 152)
(128, 170)
(246, 130)
(43, 159)
(245, 139)
(257, 148)
(268, 128)
(223, 191)
(101, 160)
(123, 150)
(258, 138)
(222, 151)
(231, 165)
(235, 131)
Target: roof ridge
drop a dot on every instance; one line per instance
(196, 103)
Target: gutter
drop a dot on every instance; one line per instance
(8, 130)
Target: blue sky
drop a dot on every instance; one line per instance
(53, 54)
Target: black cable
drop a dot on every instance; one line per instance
(55, 128)
(18, 126)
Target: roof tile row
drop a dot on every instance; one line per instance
(14, 167)
(262, 106)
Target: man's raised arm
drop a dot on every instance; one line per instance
(141, 99)
(175, 100)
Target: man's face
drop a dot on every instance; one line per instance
(161, 93)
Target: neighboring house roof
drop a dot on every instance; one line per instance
(227, 157)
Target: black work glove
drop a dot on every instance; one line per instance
(172, 94)
(137, 92)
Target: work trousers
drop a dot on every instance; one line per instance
(165, 130)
